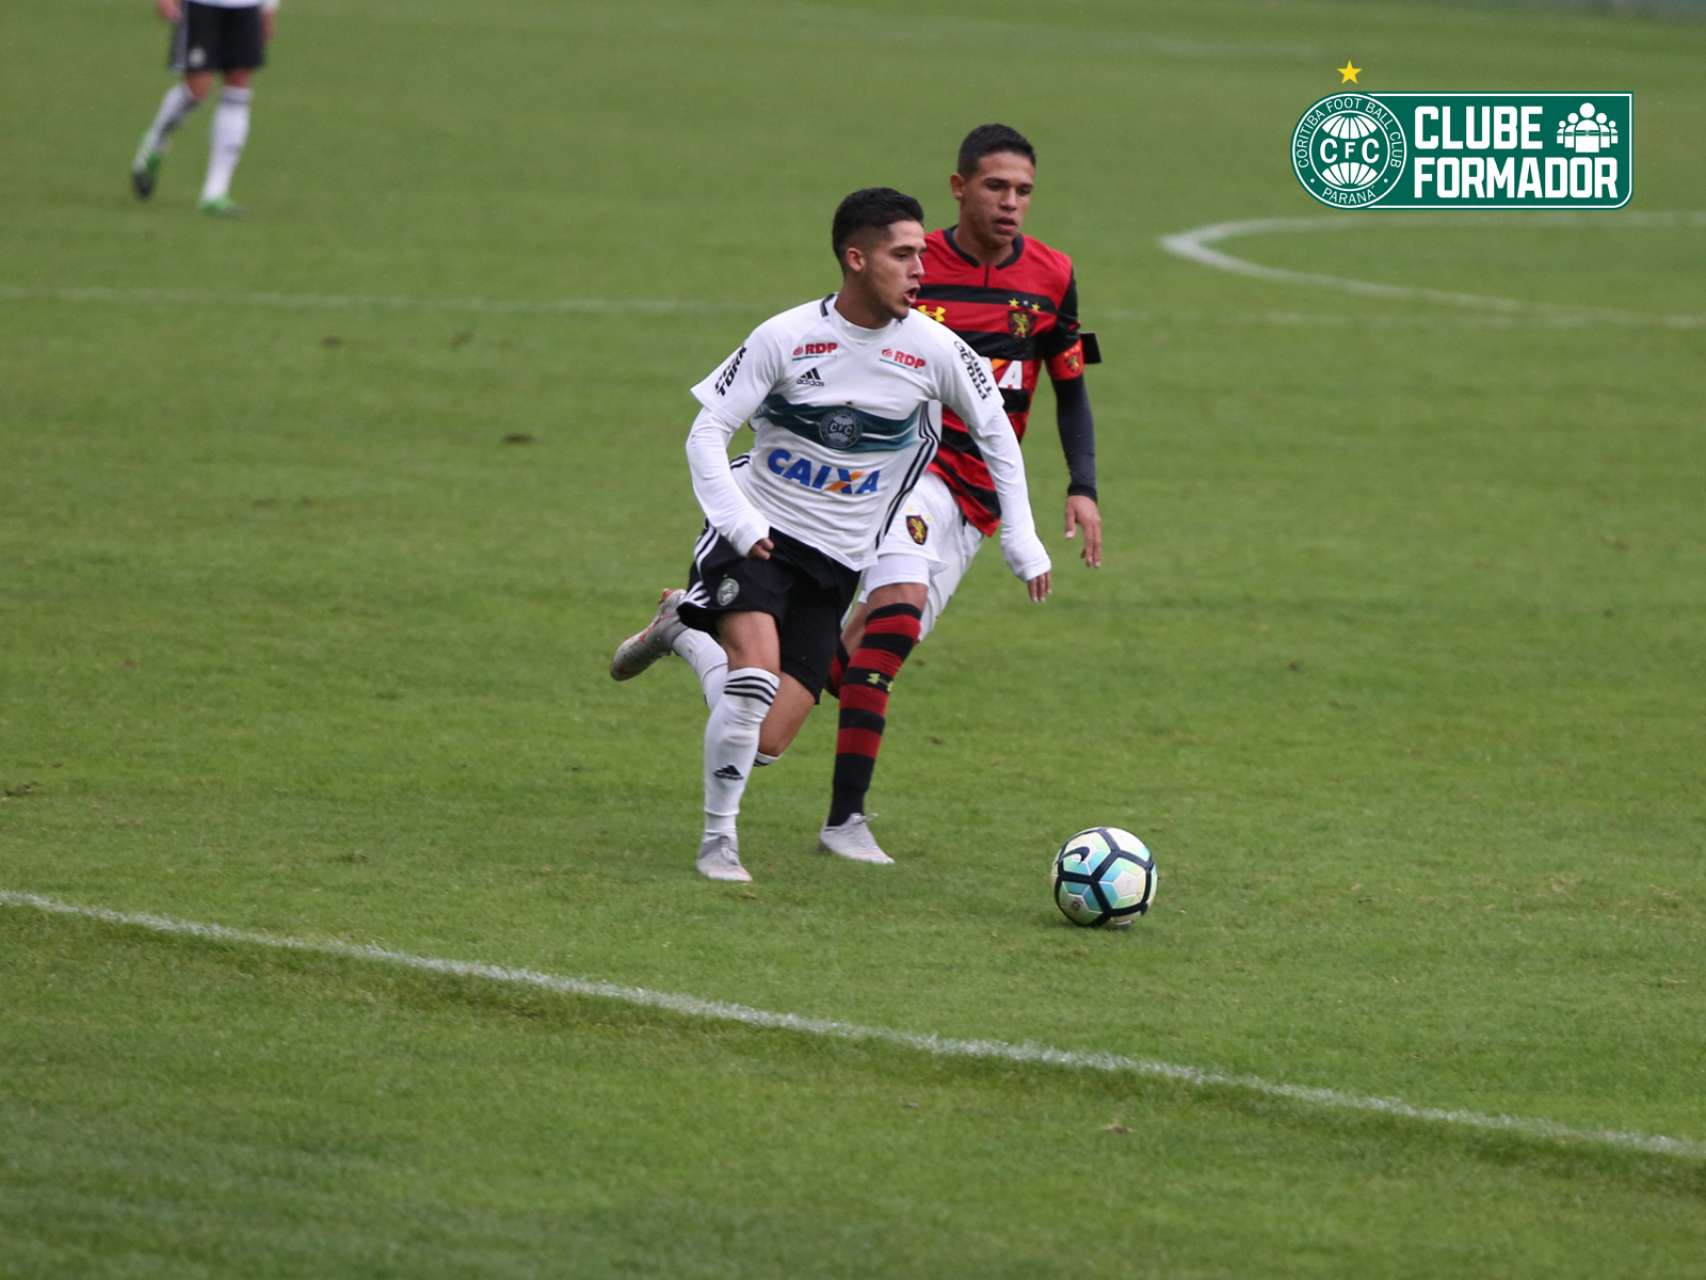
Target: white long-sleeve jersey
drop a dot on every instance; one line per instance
(842, 432)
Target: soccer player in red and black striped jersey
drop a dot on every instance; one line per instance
(1013, 300)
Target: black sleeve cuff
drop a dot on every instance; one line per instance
(1083, 491)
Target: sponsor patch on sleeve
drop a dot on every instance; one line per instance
(726, 378)
(975, 373)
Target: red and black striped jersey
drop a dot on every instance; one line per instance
(1019, 314)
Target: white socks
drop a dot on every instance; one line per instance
(174, 109)
(731, 743)
(707, 659)
(230, 132)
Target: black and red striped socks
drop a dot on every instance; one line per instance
(890, 633)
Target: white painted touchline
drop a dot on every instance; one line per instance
(1195, 245)
(1165, 316)
(381, 301)
(936, 1046)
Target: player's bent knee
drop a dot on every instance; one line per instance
(916, 594)
(793, 704)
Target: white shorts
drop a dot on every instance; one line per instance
(930, 542)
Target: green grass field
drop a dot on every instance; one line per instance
(317, 530)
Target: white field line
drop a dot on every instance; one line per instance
(1564, 317)
(936, 1046)
(84, 294)
(380, 301)
(1196, 245)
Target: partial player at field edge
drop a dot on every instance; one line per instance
(229, 37)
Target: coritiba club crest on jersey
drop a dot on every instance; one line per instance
(840, 429)
(1572, 150)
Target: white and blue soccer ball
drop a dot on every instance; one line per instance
(1103, 876)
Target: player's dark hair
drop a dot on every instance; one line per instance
(987, 139)
(870, 208)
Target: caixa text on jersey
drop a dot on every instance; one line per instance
(821, 475)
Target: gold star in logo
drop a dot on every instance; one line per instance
(1348, 74)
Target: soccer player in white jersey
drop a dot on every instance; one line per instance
(208, 36)
(838, 393)
(1013, 299)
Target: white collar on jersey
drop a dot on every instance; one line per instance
(855, 332)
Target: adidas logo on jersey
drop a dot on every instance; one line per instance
(810, 378)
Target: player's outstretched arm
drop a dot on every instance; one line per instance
(728, 396)
(1078, 444)
(727, 509)
(1066, 349)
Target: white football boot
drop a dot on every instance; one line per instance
(719, 859)
(853, 839)
(643, 648)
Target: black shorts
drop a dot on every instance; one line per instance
(803, 589)
(209, 38)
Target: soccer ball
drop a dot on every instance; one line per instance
(1103, 875)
